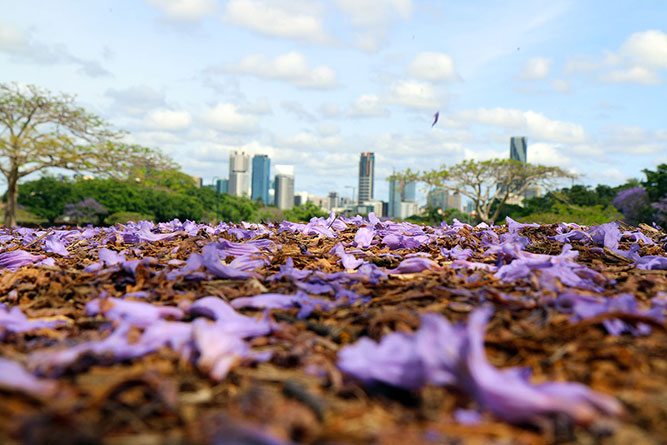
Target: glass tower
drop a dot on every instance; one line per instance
(261, 168)
(366, 177)
(518, 149)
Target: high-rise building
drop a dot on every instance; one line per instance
(366, 177)
(440, 198)
(518, 149)
(284, 187)
(222, 186)
(261, 169)
(401, 192)
(239, 173)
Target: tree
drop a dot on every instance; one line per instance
(86, 211)
(489, 184)
(46, 197)
(39, 130)
(304, 212)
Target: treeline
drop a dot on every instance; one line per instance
(156, 196)
(634, 202)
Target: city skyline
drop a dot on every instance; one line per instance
(329, 80)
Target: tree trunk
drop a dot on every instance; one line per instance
(12, 197)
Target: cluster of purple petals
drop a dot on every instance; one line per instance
(440, 353)
(15, 321)
(588, 306)
(13, 376)
(213, 345)
(609, 235)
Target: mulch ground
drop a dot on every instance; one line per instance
(161, 398)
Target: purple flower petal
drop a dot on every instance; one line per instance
(230, 321)
(439, 353)
(413, 265)
(218, 350)
(53, 244)
(364, 237)
(14, 377)
(110, 258)
(17, 258)
(137, 313)
(211, 260)
(347, 260)
(15, 321)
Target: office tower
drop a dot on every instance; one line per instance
(366, 177)
(400, 192)
(518, 149)
(284, 187)
(222, 186)
(239, 173)
(333, 201)
(440, 198)
(197, 179)
(261, 169)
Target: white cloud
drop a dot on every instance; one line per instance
(548, 154)
(136, 99)
(375, 12)
(536, 68)
(641, 59)
(227, 118)
(169, 120)
(647, 49)
(414, 94)
(436, 67)
(535, 124)
(561, 86)
(371, 18)
(326, 129)
(635, 140)
(368, 105)
(637, 74)
(291, 19)
(12, 38)
(291, 67)
(329, 110)
(22, 48)
(297, 109)
(261, 106)
(185, 10)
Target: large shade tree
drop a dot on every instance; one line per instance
(489, 184)
(39, 130)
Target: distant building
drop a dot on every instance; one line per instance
(333, 201)
(518, 149)
(198, 180)
(440, 198)
(366, 177)
(261, 176)
(239, 173)
(300, 198)
(222, 186)
(284, 187)
(399, 193)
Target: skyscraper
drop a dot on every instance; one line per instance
(518, 149)
(239, 173)
(399, 193)
(366, 177)
(261, 168)
(284, 187)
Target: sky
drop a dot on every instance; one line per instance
(315, 83)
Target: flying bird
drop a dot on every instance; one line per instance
(435, 118)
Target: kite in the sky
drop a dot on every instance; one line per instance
(435, 118)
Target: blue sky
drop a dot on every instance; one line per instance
(314, 83)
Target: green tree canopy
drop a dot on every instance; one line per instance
(39, 130)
